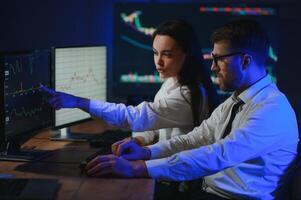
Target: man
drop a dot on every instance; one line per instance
(244, 149)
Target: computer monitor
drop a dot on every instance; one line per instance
(24, 109)
(80, 71)
(134, 72)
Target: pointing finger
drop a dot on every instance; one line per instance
(48, 90)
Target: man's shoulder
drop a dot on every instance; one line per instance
(273, 99)
(270, 94)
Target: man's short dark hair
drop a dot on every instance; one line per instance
(245, 35)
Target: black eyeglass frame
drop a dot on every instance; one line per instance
(216, 58)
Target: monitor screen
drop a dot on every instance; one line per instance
(25, 108)
(134, 71)
(80, 71)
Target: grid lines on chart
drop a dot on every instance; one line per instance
(80, 71)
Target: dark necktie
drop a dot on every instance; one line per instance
(233, 113)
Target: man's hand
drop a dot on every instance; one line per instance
(130, 150)
(111, 164)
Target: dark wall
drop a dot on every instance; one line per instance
(40, 24)
(289, 68)
(29, 24)
(34, 24)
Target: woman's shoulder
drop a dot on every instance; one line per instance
(172, 88)
(169, 84)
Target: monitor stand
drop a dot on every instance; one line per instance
(65, 134)
(14, 152)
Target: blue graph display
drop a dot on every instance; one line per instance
(134, 24)
(25, 106)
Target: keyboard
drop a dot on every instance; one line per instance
(108, 138)
(18, 188)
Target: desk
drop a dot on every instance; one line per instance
(73, 184)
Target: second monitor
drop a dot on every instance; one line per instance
(80, 71)
(24, 109)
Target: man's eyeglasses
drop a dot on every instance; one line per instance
(217, 58)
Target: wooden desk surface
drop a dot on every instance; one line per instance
(73, 184)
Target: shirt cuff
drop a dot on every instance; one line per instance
(155, 150)
(157, 168)
(95, 107)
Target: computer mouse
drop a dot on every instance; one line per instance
(102, 151)
(83, 164)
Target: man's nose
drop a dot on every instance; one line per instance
(214, 66)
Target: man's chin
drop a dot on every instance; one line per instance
(221, 87)
(224, 88)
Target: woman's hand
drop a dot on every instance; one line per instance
(60, 100)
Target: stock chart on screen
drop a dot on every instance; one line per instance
(133, 66)
(80, 71)
(26, 108)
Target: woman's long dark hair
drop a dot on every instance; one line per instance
(194, 72)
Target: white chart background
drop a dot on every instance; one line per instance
(80, 71)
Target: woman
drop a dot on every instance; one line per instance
(184, 100)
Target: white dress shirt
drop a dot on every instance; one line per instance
(250, 161)
(168, 116)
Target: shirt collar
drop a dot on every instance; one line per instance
(250, 92)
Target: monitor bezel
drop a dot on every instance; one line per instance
(55, 127)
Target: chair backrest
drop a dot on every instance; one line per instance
(290, 189)
(295, 190)
(295, 184)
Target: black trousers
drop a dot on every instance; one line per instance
(193, 191)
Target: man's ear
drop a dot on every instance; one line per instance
(246, 60)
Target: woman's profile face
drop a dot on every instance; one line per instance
(168, 56)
